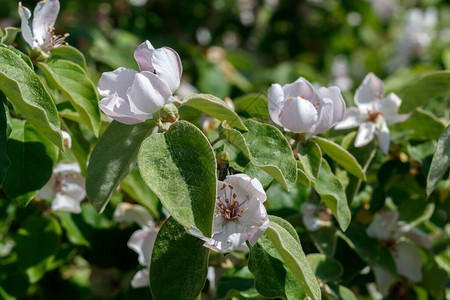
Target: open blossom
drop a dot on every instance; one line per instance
(240, 214)
(40, 34)
(66, 187)
(408, 260)
(299, 108)
(141, 241)
(373, 114)
(132, 97)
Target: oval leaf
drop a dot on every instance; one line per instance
(179, 263)
(112, 159)
(327, 269)
(214, 107)
(426, 88)
(5, 131)
(24, 89)
(341, 156)
(332, 193)
(310, 157)
(267, 148)
(255, 105)
(292, 253)
(69, 53)
(32, 159)
(73, 81)
(440, 162)
(180, 168)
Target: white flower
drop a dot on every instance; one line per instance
(133, 97)
(141, 241)
(298, 108)
(315, 218)
(408, 260)
(40, 34)
(66, 187)
(373, 113)
(240, 214)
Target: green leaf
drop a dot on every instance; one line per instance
(369, 249)
(428, 87)
(440, 162)
(327, 269)
(38, 241)
(302, 177)
(424, 123)
(74, 234)
(10, 35)
(273, 278)
(212, 80)
(341, 156)
(5, 131)
(310, 157)
(342, 292)
(112, 159)
(267, 148)
(179, 263)
(255, 172)
(325, 240)
(20, 54)
(292, 253)
(81, 147)
(214, 107)
(332, 193)
(135, 187)
(32, 159)
(74, 82)
(254, 105)
(69, 53)
(180, 168)
(24, 89)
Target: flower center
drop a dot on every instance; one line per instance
(373, 116)
(229, 208)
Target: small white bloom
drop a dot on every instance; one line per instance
(299, 108)
(408, 260)
(240, 214)
(315, 218)
(141, 241)
(373, 114)
(40, 34)
(66, 187)
(132, 97)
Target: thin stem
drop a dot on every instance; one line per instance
(216, 140)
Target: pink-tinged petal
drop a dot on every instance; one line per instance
(25, 16)
(276, 100)
(71, 192)
(143, 56)
(389, 107)
(299, 88)
(127, 212)
(383, 137)
(45, 14)
(141, 242)
(352, 118)
(119, 109)
(334, 94)
(325, 120)
(141, 279)
(384, 280)
(148, 94)
(255, 218)
(298, 115)
(383, 226)
(370, 91)
(229, 239)
(117, 81)
(245, 185)
(366, 133)
(168, 67)
(408, 261)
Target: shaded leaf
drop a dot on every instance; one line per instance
(69, 53)
(440, 162)
(179, 263)
(310, 157)
(180, 168)
(327, 269)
